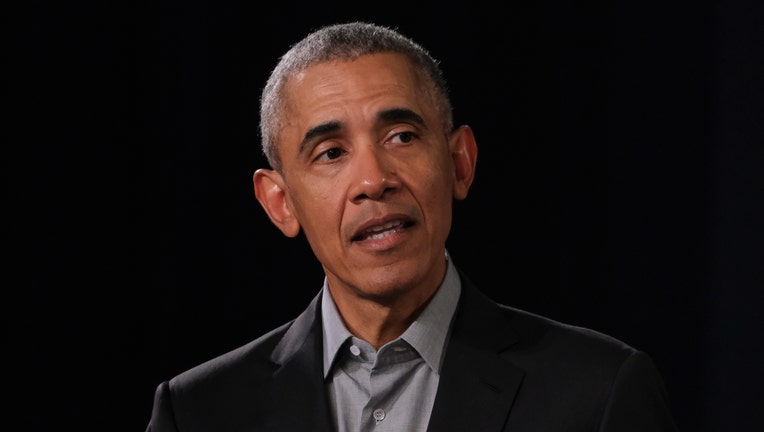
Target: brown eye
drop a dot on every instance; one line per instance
(404, 137)
(331, 154)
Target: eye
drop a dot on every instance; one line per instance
(330, 154)
(404, 137)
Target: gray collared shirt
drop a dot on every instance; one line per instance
(392, 389)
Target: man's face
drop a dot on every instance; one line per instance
(368, 174)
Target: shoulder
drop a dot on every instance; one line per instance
(530, 337)
(246, 363)
(581, 360)
(543, 332)
(577, 370)
(250, 366)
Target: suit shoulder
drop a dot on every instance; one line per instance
(556, 338)
(251, 359)
(539, 337)
(222, 392)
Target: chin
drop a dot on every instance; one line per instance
(393, 284)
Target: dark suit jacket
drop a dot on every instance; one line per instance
(504, 370)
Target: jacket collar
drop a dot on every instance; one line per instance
(298, 400)
(477, 386)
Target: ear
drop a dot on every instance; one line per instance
(272, 195)
(464, 154)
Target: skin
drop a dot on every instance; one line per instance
(363, 150)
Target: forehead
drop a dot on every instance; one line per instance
(378, 68)
(331, 91)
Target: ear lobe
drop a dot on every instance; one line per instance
(271, 193)
(464, 154)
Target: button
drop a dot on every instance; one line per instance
(355, 350)
(379, 414)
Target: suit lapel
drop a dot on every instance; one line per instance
(477, 386)
(298, 400)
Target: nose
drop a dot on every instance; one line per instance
(373, 174)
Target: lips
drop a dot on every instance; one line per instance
(376, 231)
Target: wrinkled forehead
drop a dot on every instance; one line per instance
(368, 67)
(382, 78)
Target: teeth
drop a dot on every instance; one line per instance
(381, 231)
(384, 227)
(380, 235)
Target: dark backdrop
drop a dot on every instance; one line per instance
(619, 186)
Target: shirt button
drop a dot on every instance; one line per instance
(355, 350)
(379, 414)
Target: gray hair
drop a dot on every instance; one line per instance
(345, 41)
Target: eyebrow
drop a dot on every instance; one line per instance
(386, 116)
(318, 130)
(400, 114)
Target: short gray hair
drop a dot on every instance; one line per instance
(344, 41)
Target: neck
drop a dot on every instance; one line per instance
(379, 323)
(379, 313)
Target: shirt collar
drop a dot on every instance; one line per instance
(427, 334)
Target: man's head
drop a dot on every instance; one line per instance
(368, 162)
(344, 42)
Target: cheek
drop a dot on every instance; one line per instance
(433, 189)
(317, 203)
(439, 181)
(327, 193)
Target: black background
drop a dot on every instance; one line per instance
(619, 187)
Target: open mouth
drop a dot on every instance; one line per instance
(381, 231)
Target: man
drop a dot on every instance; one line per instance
(356, 124)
